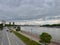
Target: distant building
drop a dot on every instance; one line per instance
(9, 23)
(13, 23)
(3, 22)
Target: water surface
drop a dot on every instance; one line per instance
(54, 32)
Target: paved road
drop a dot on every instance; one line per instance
(0, 37)
(8, 38)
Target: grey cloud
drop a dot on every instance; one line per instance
(28, 9)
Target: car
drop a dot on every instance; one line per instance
(7, 30)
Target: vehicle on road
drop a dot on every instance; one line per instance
(7, 30)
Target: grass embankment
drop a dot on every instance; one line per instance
(25, 39)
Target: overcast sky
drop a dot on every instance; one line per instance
(37, 10)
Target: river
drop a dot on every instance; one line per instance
(54, 32)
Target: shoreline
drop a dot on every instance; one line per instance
(50, 27)
(36, 37)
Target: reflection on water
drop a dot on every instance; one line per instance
(55, 32)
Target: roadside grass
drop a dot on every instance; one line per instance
(25, 39)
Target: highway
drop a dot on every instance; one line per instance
(8, 38)
(0, 37)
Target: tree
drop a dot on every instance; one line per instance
(1, 26)
(18, 28)
(45, 38)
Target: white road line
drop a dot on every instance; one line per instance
(8, 39)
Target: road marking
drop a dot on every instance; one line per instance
(8, 39)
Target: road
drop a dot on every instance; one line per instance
(8, 38)
(0, 37)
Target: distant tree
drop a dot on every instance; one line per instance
(18, 28)
(1, 26)
(45, 38)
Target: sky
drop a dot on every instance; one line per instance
(30, 11)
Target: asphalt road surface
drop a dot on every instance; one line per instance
(8, 38)
(0, 37)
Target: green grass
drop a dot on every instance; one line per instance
(25, 39)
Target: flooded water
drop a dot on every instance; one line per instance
(54, 32)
